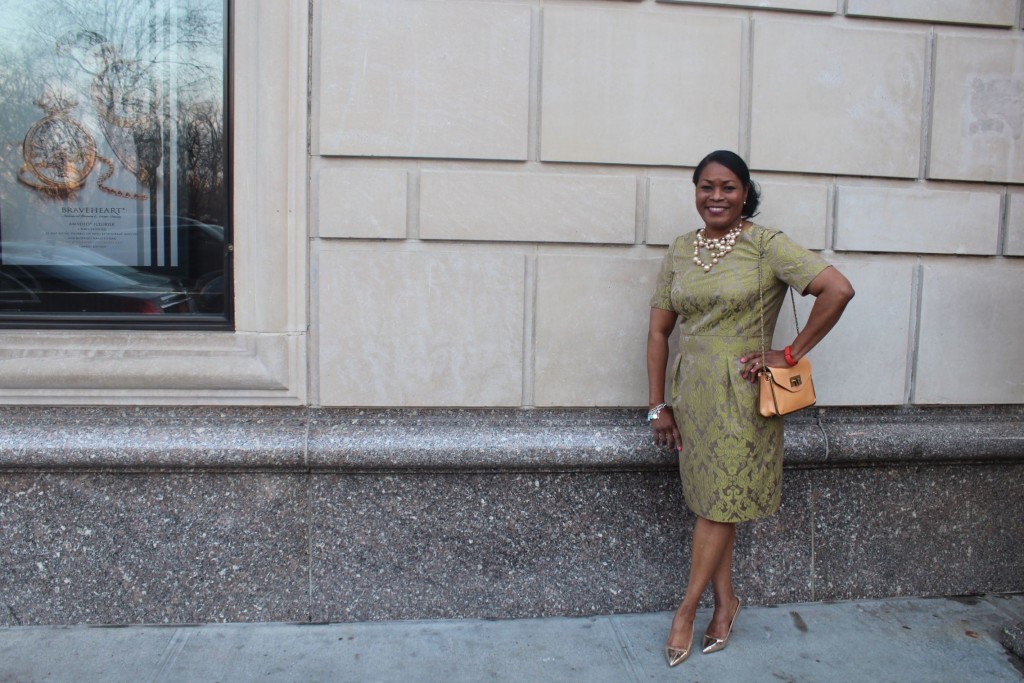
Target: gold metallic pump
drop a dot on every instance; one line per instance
(711, 644)
(675, 655)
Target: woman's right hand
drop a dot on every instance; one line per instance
(665, 431)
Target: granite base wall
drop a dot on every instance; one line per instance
(179, 516)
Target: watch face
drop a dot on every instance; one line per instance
(59, 152)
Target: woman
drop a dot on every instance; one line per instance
(730, 458)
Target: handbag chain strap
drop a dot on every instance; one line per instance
(760, 291)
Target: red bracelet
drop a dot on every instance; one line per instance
(789, 357)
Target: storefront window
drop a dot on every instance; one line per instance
(114, 183)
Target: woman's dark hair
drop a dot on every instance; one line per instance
(735, 163)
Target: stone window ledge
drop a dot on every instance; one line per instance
(358, 440)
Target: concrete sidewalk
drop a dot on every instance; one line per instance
(918, 640)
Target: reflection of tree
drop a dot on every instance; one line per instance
(136, 42)
(149, 33)
(202, 154)
(19, 88)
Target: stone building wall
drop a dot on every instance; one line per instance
(448, 218)
(493, 185)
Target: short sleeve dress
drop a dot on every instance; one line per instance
(731, 460)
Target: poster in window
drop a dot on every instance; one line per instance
(104, 110)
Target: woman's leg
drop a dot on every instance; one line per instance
(725, 598)
(710, 558)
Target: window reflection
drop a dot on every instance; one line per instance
(113, 158)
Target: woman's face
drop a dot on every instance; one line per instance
(720, 196)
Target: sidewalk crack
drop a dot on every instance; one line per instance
(626, 652)
(170, 654)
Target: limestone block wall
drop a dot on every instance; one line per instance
(493, 186)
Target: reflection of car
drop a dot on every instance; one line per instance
(201, 258)
(205, 244)
(37, 278)
(206, 259)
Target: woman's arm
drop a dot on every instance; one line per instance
(831, 291)
(658, 332)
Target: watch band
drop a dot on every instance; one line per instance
(654, 412)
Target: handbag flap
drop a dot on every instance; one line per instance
(794, 379)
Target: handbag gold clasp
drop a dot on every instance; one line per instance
(794, 381)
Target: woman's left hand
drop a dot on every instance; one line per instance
(753, 363)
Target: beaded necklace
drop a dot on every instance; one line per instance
(717, 248)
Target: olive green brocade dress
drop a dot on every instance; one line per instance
(731, 461)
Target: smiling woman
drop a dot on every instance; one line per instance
(730, 457)
(114, 207)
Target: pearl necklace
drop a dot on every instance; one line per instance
(718, 248)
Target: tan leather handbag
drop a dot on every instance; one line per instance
(788, 389)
